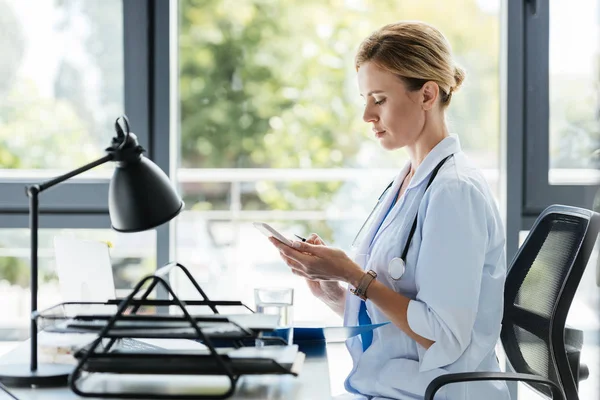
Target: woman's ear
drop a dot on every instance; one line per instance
(430, 91)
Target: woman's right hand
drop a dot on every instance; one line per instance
(329, 292)
(319, 289)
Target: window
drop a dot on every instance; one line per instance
(62, 82)
(560, 72)
(271, 128)
(62, 89)
(574, 92)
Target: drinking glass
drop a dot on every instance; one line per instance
(276, 301)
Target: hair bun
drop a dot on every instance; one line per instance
(459, 77)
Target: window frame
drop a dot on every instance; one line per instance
(82, 203)
(146, 45)
(538, 192)
(525, 121)
(88, 196)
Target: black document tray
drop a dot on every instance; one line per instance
(98, 358)
(151, 326)
(180, 364)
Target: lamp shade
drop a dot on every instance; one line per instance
(141, 197)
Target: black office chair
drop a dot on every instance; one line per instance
(539, 289)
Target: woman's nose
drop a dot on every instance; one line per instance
(369, 115)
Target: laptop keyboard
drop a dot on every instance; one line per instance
(134, 345)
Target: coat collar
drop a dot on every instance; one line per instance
(448, 146)
(443, 149)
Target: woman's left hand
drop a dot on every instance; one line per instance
(319, 262)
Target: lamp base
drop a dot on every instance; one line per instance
(21, 375)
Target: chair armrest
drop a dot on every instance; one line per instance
(442, 380)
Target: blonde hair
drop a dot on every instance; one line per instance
(417, 53)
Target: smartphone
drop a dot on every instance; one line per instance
(269, 231)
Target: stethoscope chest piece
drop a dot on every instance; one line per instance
(396, 268)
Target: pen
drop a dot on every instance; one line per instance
(300, 237)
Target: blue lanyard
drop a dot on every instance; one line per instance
(363, 315)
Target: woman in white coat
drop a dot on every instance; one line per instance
(431, 260)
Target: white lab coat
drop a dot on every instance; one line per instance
(455, 273)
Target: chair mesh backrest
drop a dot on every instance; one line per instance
(533, 287)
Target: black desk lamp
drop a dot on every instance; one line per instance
(140, 197)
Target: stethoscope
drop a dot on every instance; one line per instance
(397, 265)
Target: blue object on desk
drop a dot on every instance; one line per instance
(283, 333)
(328, 333)
(312, 340)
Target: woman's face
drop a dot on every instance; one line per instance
(397, 115)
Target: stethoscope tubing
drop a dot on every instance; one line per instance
(399, 263)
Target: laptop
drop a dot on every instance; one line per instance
(84, 270)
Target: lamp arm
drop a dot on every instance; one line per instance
(33, 192)
(75, 172)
